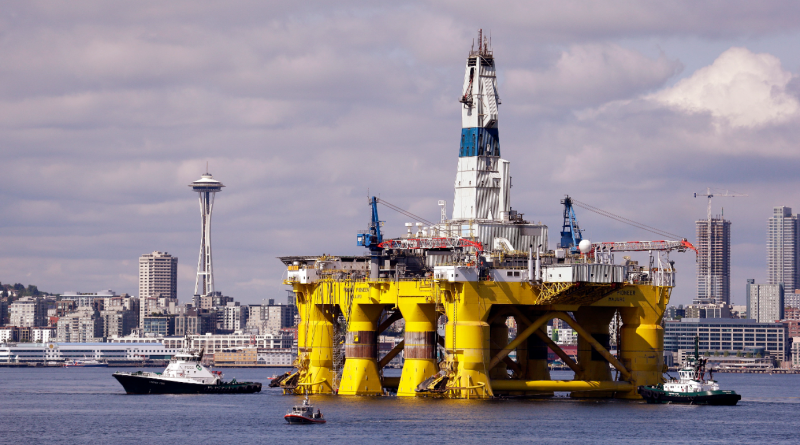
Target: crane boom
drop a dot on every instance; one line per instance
(634, 246)
(429, 243)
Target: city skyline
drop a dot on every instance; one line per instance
(602, 113)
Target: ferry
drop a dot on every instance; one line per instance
(304, 414)
(185, 374)
(85, 363)
(691, 387)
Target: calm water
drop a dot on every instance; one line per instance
(88, 406)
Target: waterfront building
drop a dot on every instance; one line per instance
(9, 334)
(782, 249)
(195, 321)
(42, 335)
(764, 301)
(110, 352)
(83, 325)
(738, 311)
(92, 299)
(28, 312)
(213, 343)
(710, 310)
(792, 328)
(791, 313)
(713, 261)
(214, 300)
(234, 317)
(158, 275)
(721, 334)
(159, 325)
(796, 352)
(270, 317)
(674, 312)
(3, 311)
(64, 307)
(791, 298)
(118, 321)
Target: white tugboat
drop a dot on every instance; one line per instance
(185, 374)
(691, 387)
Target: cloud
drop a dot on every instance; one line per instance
(741, 88)
(590, 74)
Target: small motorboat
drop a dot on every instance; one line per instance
(304, 414)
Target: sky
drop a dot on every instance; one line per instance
(108, 110)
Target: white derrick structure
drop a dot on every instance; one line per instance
(483, 183)
(206, 187)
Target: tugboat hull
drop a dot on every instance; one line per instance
(657, 395)
(301, 420)
(134, 384)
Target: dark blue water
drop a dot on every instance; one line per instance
(87, 405)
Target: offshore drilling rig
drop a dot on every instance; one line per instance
(471, 273)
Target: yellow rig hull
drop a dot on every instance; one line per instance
(476, 336)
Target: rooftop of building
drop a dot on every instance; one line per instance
(718, 321)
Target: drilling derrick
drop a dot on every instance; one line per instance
(476, 270)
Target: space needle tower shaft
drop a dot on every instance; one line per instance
(206, 187)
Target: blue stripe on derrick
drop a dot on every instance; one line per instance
(479, 142)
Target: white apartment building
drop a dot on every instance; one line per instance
(28, 312)
(764, 302)
(782, 249)
(158, 275)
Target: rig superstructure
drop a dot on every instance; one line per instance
(457, 281)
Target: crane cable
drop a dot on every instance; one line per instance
(624, 220)
(405, 212)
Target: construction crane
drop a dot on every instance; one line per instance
(710, 193)
(570, 232)
(372, 238)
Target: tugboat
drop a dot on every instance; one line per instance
(185, 374)
(691, 388)
(304, 414)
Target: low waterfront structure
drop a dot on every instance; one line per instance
(110, 352)
(726, 334)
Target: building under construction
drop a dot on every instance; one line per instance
(713, 261)
(455, 283)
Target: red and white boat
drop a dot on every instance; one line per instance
(304, 414)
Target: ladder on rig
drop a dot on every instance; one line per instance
(340, 327)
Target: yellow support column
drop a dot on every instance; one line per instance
(596, 321)
(498, 339)
(467, 339)
(360, 375)
(420, 345)
(315, 343)
(642, 338)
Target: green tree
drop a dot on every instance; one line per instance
(726, 353)
(739, 353)
(749, 355)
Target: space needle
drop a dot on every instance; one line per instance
(206, 187)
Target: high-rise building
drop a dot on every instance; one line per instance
(782, 249)
(85, 325)
(713, 261)
(158, 275)
(28, 312)
(206, 187)
(764, 302)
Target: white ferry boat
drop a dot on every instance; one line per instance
(185, 374)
